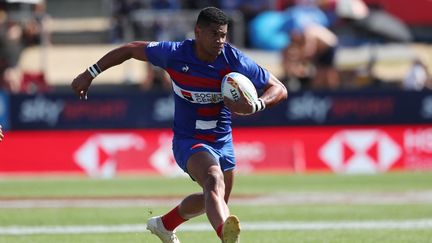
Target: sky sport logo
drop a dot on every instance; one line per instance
(360, 151)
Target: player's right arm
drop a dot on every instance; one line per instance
(135, 50)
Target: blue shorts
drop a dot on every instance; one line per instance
(223, 152)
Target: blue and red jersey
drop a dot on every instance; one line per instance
(199, 109)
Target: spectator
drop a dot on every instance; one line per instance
(315, 44)
(318, 45)
(33, 82)
(16, 35)
(10, 50)
(4, 53)
(35, 30)
(121, 10)
(297, 73)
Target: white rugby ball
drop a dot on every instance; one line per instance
(233, 82)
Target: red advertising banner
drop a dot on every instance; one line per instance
(104, 153)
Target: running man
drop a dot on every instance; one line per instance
(202, 142)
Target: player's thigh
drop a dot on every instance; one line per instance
(202, 165)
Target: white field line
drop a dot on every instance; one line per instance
(298, 198)
(257, 226)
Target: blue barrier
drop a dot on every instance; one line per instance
(4, 110)
(155, 110)
(346, 108)
(53, 111)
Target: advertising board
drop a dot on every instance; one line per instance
(105, 153)
(156, 110)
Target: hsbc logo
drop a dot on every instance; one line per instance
(360, 151)
(97, 156)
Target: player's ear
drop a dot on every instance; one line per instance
(198, 31)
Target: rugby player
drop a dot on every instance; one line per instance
(202, 142)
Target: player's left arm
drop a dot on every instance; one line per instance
(274, 92)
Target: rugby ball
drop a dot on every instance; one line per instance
(234, 83)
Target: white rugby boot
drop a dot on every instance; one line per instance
(156, 227)
(231, 230)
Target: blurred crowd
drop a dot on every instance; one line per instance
(23, 29)
(317, 29)
(306, 33)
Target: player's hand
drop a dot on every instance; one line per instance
(243, 106)
(81, 84)
(1, 134)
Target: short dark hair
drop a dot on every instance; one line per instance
(211, 15)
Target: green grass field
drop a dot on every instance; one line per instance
(393, 207)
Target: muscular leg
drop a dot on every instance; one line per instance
(206, 171)
(217, 186)
(194, 205)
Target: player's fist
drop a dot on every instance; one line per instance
(242, 106)
(81, 84)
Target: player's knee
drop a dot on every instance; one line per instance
(215, 181)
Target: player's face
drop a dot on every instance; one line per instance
(211, 39)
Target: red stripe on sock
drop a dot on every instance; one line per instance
(172, 219)
(219, 230)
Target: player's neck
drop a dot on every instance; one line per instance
(202, 55)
